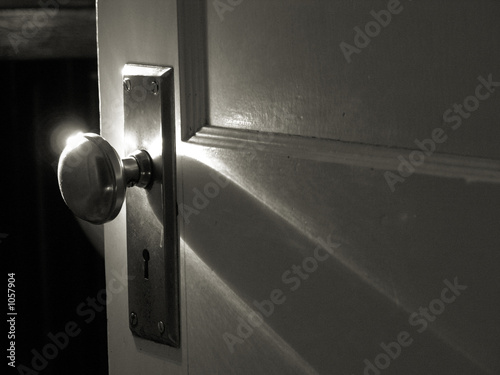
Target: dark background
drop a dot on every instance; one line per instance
(46, 98)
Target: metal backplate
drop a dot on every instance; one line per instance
(152, 239)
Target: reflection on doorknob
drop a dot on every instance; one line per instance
(93, 178)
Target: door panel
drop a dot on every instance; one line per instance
(282, 164)
(395, 252)
(277, 66)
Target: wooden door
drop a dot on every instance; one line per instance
(337, 183)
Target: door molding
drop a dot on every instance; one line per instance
(470, 169)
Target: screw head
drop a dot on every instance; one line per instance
(161, 326)
(133, 319)
(155, 86)
(127, 85)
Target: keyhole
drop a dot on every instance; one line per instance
(145, 255)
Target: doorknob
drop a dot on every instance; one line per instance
(93, 178)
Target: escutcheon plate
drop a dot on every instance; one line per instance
(152, 237)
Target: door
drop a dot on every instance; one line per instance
(338, 184)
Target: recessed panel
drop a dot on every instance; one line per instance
(376, 72)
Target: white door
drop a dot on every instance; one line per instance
(338, 183)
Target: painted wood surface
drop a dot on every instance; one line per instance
(395, 251)
(254, 205)
(278, 66)
(132, 32)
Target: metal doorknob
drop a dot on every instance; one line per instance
(93, 179)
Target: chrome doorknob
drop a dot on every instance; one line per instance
(93, 179)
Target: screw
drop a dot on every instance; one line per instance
(161, 326)
(155, 86)
(133, 319)
(127, 85)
